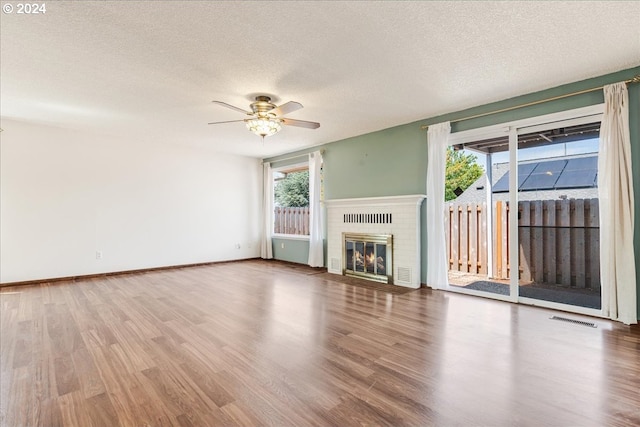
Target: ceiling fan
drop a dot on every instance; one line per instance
(266, 117)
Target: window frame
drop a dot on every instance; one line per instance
(294, 167)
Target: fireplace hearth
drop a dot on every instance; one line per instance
(369, 256)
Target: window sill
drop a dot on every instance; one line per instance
(290, 237)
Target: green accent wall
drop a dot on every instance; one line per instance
(394, 161)
(388, 162)
(294, 250)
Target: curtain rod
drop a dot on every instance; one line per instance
(635, 79)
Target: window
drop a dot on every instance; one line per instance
(291, 200)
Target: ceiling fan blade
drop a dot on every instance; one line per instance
(224, 104)
(228, 121)
(286, 108)
(300, 123)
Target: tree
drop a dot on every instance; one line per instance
(293, 190)
(461, 171)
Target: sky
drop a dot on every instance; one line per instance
(545, 152)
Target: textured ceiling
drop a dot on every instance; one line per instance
(147, 71)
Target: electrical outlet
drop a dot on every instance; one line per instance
(281, 245)
(238, 246)
(98, 254)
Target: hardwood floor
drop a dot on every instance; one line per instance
(268, 343)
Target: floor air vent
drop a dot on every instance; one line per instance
(577, 322)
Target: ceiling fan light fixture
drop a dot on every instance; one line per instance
(267, 118)
(264, 126)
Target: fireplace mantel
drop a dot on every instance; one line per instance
(414, 199)
(398, 216)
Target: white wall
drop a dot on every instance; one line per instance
(67, 194)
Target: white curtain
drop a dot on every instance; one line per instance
(437, 142)
(316, 253)
(266, 249)
(615, 191)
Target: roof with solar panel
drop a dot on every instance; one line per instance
(570, 177)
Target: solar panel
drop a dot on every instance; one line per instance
(522, 179)
(553, 167)
(544, 176)
(502, 186)
(577, 179)
(553, 174)
(539, 181)
(526, 168)
(582, 163)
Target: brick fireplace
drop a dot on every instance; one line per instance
(376, 238)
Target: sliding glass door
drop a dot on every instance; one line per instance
(477, 218)
(558, 226)
(527, 229)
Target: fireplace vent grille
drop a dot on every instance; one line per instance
(404, 274)
(374, 218)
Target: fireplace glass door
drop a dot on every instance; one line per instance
(368, 256)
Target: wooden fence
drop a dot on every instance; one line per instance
(559, 241)
(291, 220)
